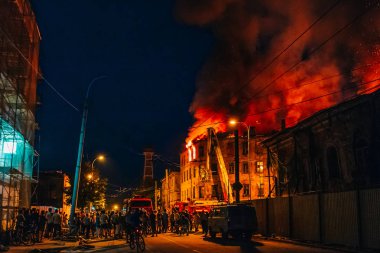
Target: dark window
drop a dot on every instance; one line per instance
(245, 168)
(260, 189)
(201, 151)
(214, 169)
(332, 162)
(201, 192)
(193, 192)
(231, 168)
(195, 172)
(245, 190)
(214, 193)
(245, 148)
(230, 148)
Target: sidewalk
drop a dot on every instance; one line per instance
(64, 246)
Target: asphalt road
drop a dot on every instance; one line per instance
(172, 243)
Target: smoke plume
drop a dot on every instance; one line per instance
(336, 57)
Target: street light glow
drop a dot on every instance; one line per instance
(101, 157)
(233, 122)
(115, 207)
(89, 176)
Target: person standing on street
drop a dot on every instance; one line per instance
(165, 221)
(41, 225)
(56, 223)
(153, 223)
(49, 219)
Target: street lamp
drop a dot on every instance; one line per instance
(100, 158)
(234, 122)
(91, 176)
(80, 151)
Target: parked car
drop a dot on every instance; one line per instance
(240, 221)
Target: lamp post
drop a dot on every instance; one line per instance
(100, 158)
(80, 151)
(234, 123)
(91, 176)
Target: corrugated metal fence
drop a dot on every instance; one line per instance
(345, 218)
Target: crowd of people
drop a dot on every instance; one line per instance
(109, 224)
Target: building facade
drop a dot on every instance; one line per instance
(170, 189)
(200, 183)
(51, 191)
(336, 149)
(19, 53)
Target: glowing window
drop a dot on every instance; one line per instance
(9, 147)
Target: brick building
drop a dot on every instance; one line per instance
(170, 189)
(200, 183)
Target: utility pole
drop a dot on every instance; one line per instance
(155, 195)
(167, 188)
(237, 185)
(80, 152)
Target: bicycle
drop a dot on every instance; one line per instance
(136, 240)
(22, 236)
(184, 230)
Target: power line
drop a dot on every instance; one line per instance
(38, 73)
(347, 73)
(307, 100)
(281, 53)
(312, 52)
(352, 97)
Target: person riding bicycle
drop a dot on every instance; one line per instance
(184, 222)
(132, 220)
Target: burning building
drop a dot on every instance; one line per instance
(275, 60)
(333, 150)
(207, 168)
(19, 53)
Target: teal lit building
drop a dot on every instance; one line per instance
(19, 52)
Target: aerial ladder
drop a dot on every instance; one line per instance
(213, 144)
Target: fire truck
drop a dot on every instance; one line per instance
(139, 202)
(198, 206)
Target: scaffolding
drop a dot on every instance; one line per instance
(19, 53)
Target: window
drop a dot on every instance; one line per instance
(231, 168)
(245, 168)
(214, 193)
(201, 192)
(201, 151)
(193, 192)
(332, 162)
(214, 168)
(245, 148)
(259, 167)
(260, 189)
(245, 190)
(230, 149)
(195, 172)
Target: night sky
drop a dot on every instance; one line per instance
(151, 61)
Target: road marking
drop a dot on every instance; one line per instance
(176, 243)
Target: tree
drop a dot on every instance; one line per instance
(92, 188)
